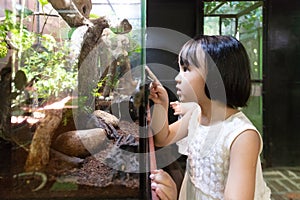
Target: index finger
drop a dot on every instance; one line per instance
(154, 84)
(151, 75)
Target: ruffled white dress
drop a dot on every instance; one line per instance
(208, 150)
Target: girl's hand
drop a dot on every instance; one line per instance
(182, 108)
(158, 94)
(163, 185)
(176, 107)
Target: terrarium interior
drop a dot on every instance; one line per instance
(72, 89)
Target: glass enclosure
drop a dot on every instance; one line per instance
(242, 19)
(72, 98)
(72, 87)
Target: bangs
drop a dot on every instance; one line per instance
(192, 53)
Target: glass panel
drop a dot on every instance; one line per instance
(250, 34)
(254, 108)
(211, 25)
(252, 41)
(228, 26)
(71, 99)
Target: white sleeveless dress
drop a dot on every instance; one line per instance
(208, 151)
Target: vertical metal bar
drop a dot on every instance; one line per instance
(199, 17)
(220, 25)
(236, 26)
(267, 153)
(145, 187)
(152, 158)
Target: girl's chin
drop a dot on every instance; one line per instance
(181, 99)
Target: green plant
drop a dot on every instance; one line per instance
(11, 34)
(44, 64)
(97, 92)
(3, 49)
(44, 74)
(52, 65)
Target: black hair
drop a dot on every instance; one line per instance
(228, 82)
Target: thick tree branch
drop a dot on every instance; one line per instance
(74, 15)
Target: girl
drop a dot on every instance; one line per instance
(222, 145)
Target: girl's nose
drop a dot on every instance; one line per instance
(178, 78)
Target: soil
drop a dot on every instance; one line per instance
(94, 171)
(90, 178)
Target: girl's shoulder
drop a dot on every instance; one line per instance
(237, 124)
(238, 121)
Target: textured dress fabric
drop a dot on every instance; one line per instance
(208, 151)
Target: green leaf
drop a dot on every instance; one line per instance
(71, 31)
(26, 12)
(94, 16)
(43, 2)
(64, 186)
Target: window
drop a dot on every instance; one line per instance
(243, 20)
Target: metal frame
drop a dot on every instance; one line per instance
(235, 16)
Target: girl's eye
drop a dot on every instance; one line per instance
(183, 64)
(185, 68)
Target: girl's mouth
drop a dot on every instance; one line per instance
(178, 92)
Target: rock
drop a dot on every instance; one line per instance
(81, 143)
(107, 117)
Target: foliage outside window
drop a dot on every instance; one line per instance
(242, 19)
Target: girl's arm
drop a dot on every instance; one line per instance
(159, 120)
(242, 169)
(165, 134)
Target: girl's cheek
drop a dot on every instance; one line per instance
(189, 92)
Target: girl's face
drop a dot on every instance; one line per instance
(190, 84)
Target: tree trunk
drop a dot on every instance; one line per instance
(5, 100)
(38, 156)
(88, 59)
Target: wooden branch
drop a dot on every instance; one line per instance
(70, 13)
(92, 40)
(38, 156)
